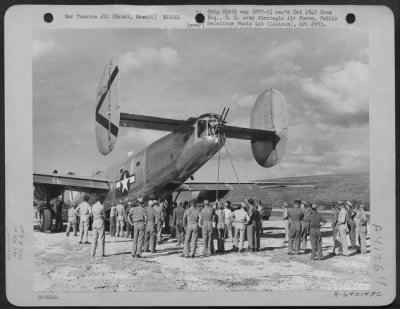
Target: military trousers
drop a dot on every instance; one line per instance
(208, 237)
(336, 239)
(83, 230)
(357, 224)
(159, 230)
(98, 236)
(303, 235)
(251, 235)
(228, 230)
(286, 225)
(316, 242)
(120, 226)
(112, 226)
(238, 241)
(179, 234)
(352, 234)
(221, 238)
(191, 234)
(129, 230)
(138, 232)
(294, 236)
(150, 237)
(343, 238)
(363, 239)
(71, 224)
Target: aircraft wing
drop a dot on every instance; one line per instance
(250, 134)
(153, 123)
(55, 184)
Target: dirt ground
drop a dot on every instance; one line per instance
(62, 265)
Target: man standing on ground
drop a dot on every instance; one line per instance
(220, 218)
(295, 216)
(191, 219)
(84, 211)
(251, 225)
(314, 219)
(207, 217)
(285, 218)
(129, 227)
(304, 225)
(150, 230)
(121, 215)
(350, 224)
(71, 219)
(228, 220)
(363, 230)
(98, 227)
(240, 220)
(112, 221)
(342, 224)
(137, 217)
(177, 222)
(335, 231)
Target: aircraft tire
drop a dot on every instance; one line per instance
(47, 220)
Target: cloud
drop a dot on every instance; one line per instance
(244, 100)
(146, 57)
(40, 48)
(280, 56)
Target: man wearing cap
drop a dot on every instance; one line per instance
(220, 218)
(150, 230)
(314, 219)
(363, 230)
(295, 216)
(335, 231)
(84, 211)
(207, 217)
(251, 225)
(121, 215)
(285, 218)
(177, 222)
(98, 227)
(342, 224)
(137, 217)
(350, 224)
(304, 225)
(228, 220)
(240, 219)
(191, 219)
(112, 221)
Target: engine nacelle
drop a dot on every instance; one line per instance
(269, 113)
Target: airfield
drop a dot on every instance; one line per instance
(62, 265)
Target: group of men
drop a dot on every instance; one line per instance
(303, 220)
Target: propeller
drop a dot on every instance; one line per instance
(221, 121)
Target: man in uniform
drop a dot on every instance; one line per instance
(58, 210)
(191, 219)
(177, 222)
(285, 219)
(137, 217)
(129, 227)
(207, 217)
(121, 215)
(363, 230)
(304, 225)
(342, 225)
(150, 230)
(240, 220)
(314, 219)
(84, 211)
(295, 216)
(112, 221)
(71, 219)
(251, 225)
(228, 220)
(335, 231)
(351, 224)
(162, 212)
(220, 218)
(98, 227)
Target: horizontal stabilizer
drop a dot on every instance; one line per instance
(152, 123)
(250, 134)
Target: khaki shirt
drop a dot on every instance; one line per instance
(342, 216)
(207, 216)
(177, 216)
(295, 214)
(98, 211)
(191, 216)
(83, 211)
(71, 213)
(112, 211)
(220, 215)
(240, 217)
(138, 214)
(120, 211)
(151, 214)
(228, 216)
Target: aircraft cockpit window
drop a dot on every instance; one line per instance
(201, 128)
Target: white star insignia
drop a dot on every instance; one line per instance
(124, 183)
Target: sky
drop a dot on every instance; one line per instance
(176, 73)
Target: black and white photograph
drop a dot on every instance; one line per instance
(181, 159)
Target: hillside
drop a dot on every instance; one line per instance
(327, 189)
